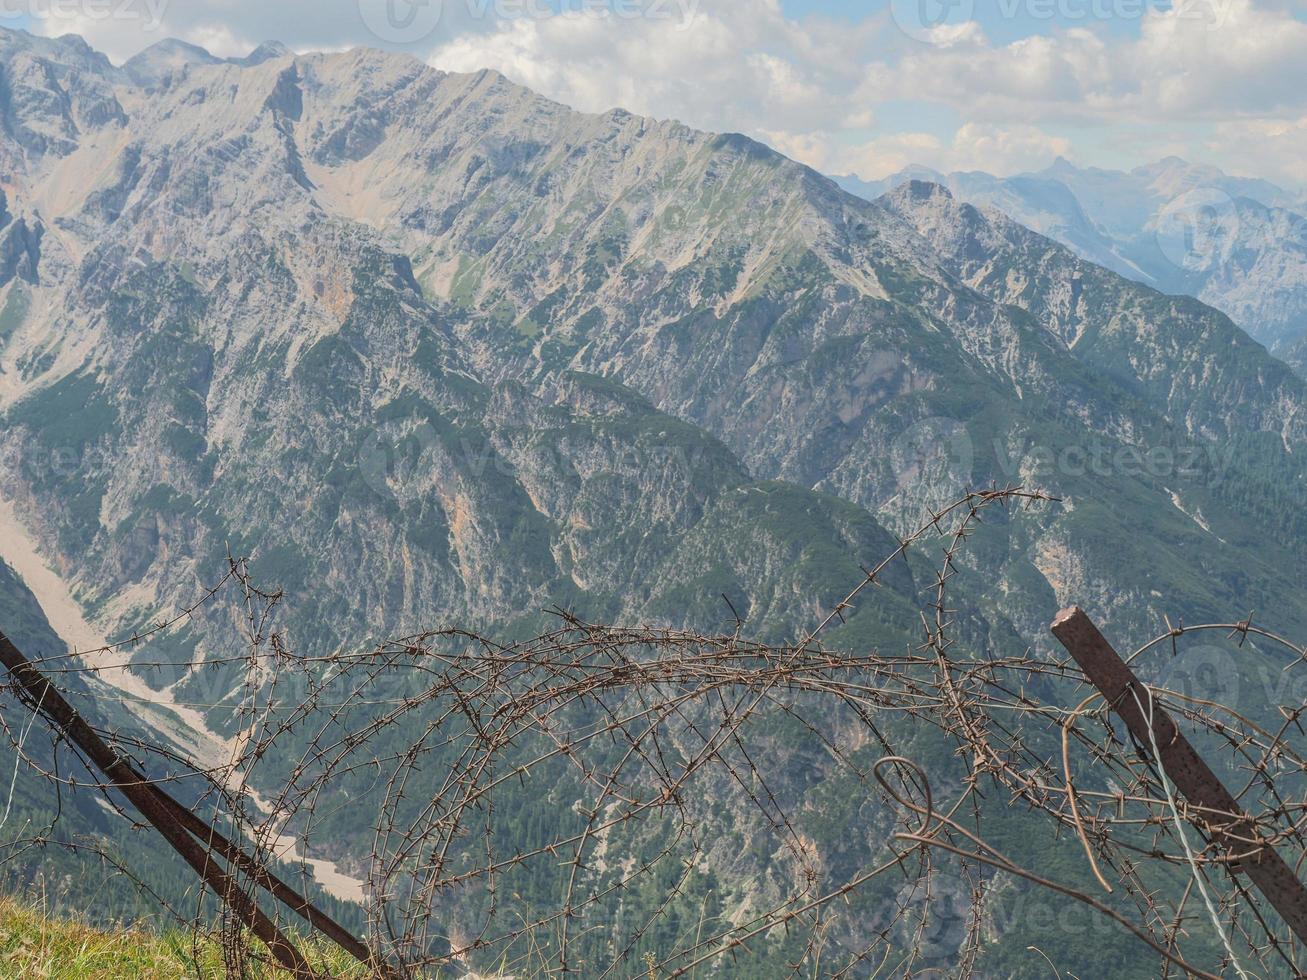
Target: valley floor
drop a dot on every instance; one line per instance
(181, 723)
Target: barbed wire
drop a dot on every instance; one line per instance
(603, 801)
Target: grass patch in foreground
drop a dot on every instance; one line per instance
(36, 947)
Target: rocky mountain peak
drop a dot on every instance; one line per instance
(170, 56)
(919, 191)
(267, 51)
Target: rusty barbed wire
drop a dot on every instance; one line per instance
(606, 801)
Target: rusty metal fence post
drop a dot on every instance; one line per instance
(1223, 818)
(197, 842)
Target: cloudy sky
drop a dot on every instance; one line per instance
(848, 86)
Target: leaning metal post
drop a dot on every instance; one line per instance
(1223, 818)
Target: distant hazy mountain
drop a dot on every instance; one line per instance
(1238, 244)
(433, 348)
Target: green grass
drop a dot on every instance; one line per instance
(36, 947)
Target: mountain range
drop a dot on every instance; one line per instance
(1238, 244)
(430, 348)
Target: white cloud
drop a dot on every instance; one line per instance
(732, 66)
(1201, 60)
(814, 149)
(998, 150)
(1272, 148)
(1252, 60)
(1005, 150)
(885, 155)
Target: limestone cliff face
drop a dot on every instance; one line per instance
(215, 350)
(350, 313)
